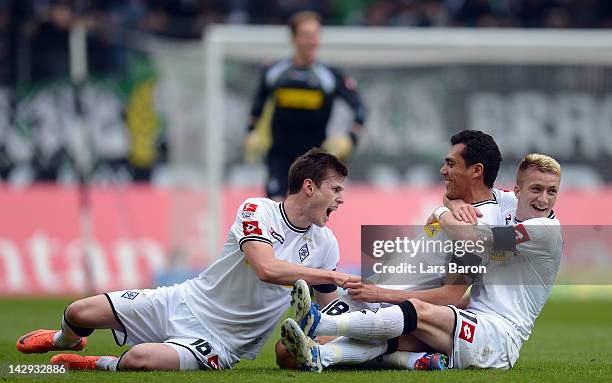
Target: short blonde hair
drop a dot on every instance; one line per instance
(298, 18)
(540, 162)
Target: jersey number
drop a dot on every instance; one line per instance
(202, 346)
(336, 308)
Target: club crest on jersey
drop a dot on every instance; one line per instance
(130, 295)
(277, 236)
(303, 252)
(467, 331)
(251, 227)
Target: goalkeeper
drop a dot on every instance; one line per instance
(295, 98)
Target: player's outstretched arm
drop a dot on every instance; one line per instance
(450, 294)
(268, 268)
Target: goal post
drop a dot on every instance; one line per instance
(422, 84)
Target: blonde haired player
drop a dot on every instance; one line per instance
(522, 263)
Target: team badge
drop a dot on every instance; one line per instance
(303, 252)
(130, 295)
(467, 331)
(251, 227)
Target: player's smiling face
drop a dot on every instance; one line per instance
(455, 172)
(326, 199)
(537, 193)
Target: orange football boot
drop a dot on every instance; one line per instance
(76, 362)
(41, 341)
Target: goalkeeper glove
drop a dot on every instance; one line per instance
(340, 146)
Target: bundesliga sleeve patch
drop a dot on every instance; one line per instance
(249, 207)
(251, 227)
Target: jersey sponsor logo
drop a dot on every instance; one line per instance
(249, 207)
(303, 252)
(508, 218)
(467, 331)
(521, 234)
(309, 99)
(277, 236)
(251, 227)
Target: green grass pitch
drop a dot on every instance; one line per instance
(571, 342)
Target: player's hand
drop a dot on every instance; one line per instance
(365, 292)
(254, 147)
(341, 279)
(340, 146)
(467, 213)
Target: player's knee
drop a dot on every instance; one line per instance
(77, 313)
(283, 359)
(137, 358)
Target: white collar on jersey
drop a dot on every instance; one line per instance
(291, 226)
(551, 215)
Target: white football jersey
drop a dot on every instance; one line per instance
(228, 298)
(497, 211)
(517, 284)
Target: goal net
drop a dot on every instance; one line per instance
(533, 90)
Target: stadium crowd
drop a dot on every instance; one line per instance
(43, 24)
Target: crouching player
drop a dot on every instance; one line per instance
(229, 311)
(522, 263)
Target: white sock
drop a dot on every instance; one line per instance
(398, 360)
(107, 363)
(65, 338)
(385, 323)
(344, 350)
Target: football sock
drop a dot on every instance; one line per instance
(66, 338)
(384, 323)
(107, 363)
(396, 360)
(350, 351)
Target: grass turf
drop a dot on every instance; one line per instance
(571, 342)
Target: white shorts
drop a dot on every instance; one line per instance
(481, 341)
(161, 316)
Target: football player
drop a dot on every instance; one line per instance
(232, 307)
(469, 171)
(522, 262)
